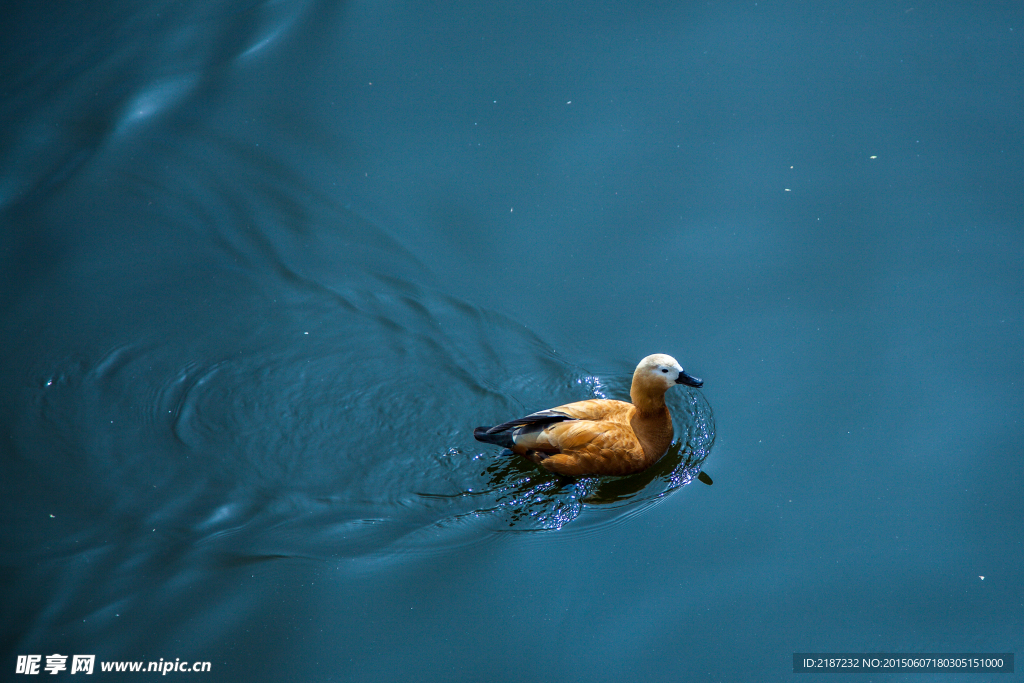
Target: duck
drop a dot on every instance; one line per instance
(602, 436)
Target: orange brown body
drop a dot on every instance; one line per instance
(600, 436)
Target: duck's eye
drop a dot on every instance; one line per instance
(664, 369)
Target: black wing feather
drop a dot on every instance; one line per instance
(539, 418)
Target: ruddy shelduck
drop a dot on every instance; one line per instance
(601, 436)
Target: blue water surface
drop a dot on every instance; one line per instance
(265, 265)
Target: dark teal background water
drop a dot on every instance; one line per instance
(264, 266)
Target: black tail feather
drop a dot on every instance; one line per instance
(503, 439)
(501, 435)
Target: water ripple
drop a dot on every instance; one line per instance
(344, 427)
